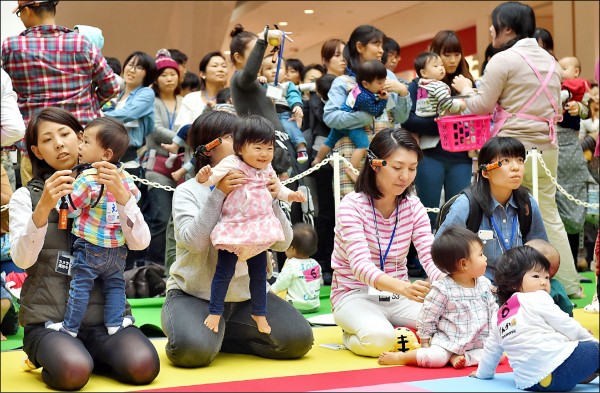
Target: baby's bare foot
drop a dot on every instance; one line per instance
(458, 361)
(263, 325)
(391, 358)
(212, 322)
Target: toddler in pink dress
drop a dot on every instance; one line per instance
(248, 225)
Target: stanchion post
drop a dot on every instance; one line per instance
(336, 182)
(534, 172)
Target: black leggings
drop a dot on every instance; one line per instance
(127, 356)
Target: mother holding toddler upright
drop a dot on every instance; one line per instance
(370, 290)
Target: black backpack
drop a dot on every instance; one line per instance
(476, 213)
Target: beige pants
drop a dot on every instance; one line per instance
(557, 236)
(25, 170)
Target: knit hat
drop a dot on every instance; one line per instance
(164, 60)
(92, 33)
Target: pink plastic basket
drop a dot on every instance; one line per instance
(463, 132)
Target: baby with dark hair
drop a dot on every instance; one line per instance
(367, 96)
(100, 249)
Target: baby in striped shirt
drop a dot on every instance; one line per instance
(99, 250)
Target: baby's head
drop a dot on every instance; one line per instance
(254, 141)
(570, 66)
(268, 69)
(294, 68)
(429, 65)
(521, 269)
(323, 86)
(104, 139)
(459, 250)
(371, 75)
(549, 251)
(304, 242)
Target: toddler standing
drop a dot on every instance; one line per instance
(247, 226)
(367, 96)
(547, 350)
(455, 318)
(99, 250)
(301, 275)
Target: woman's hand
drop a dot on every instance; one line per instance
(231, 181)
(274, 36)
(417, 290)
(392, 85)
(273, 187)
(108, 174)
(460, 83)
(56, 186)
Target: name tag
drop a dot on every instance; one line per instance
(63, 263)
(112, 214)
(382, 296)
(485, 234)
(274, 92)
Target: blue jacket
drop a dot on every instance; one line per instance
(139, 106)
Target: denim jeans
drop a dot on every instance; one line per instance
(291, 128)
(433, 175)
(358, 137)
(191, 344)
(257, 270)
(93, 262)
(576, 368)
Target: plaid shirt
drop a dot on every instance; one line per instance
(457, 318)
(54, 66)
(99, 225)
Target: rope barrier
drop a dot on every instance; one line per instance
(342, 159)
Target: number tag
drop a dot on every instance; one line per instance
(383, 296)
(274, 92)
(63, 263)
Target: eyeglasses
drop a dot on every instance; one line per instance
(136, 68)
(18, 13)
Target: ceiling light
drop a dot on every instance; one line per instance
(227, 52)
(282, 23)
(309, 11)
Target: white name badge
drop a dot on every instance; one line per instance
(112, 214)
(485, 234)
(274, 92)
(377, 292)
(63, 263)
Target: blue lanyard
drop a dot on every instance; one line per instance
(501, 236)
(383, 257)
(170, 119)
(280, 55)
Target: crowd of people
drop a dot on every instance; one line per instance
(78, 218)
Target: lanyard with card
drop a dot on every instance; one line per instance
(382, 257)
(275, 91)
(504, 241)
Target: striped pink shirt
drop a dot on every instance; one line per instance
(355, 258)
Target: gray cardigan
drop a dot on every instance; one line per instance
(196, 210)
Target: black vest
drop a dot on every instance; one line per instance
(45, 292)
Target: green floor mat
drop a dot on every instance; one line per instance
(588, 290)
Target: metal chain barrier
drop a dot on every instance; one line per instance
(561, 189)
(349, 165)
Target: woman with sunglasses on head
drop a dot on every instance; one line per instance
(196, 211)
(370, 289)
